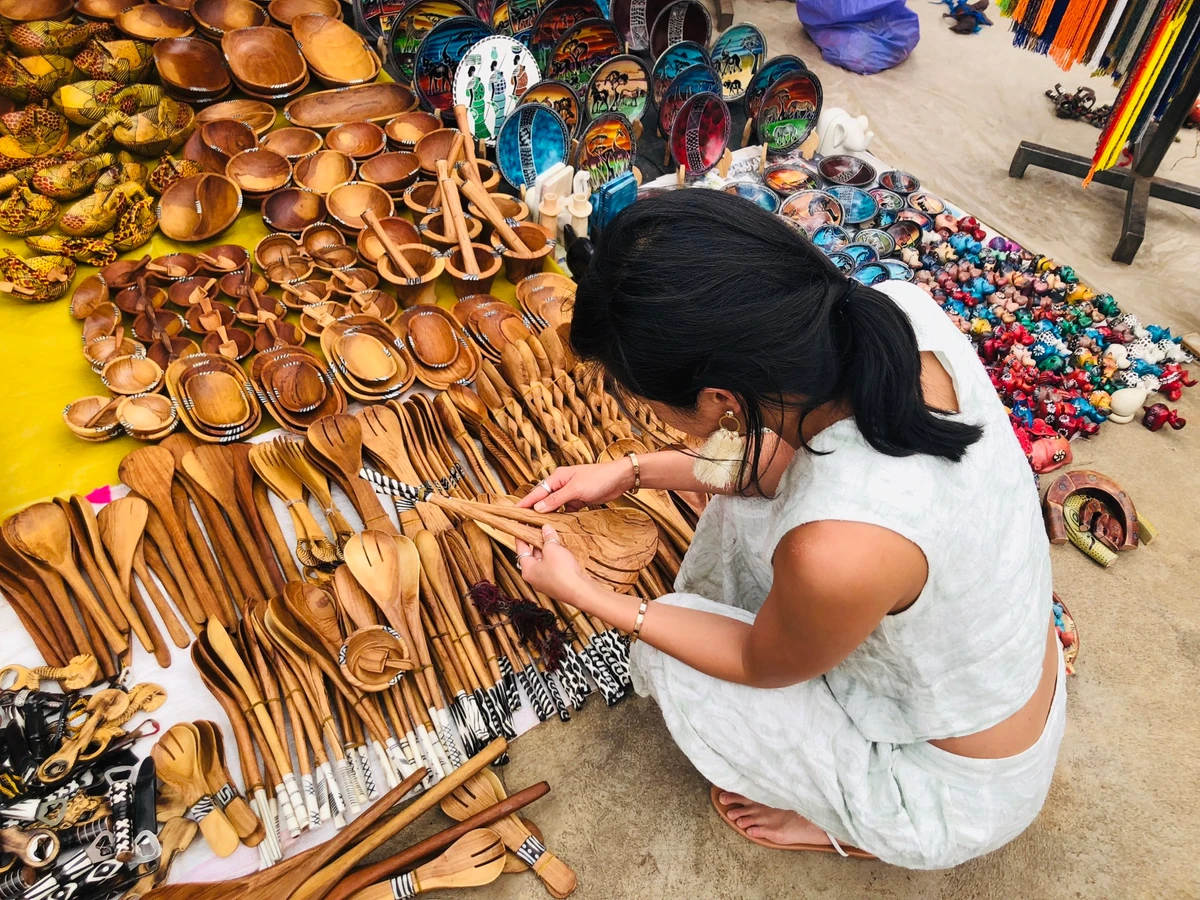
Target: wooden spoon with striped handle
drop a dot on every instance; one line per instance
(475, 859)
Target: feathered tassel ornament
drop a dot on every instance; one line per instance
(720, 461)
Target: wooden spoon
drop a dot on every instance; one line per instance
(475, 859)
(312, 547)
(177, 761)
(292, 452)
(43, 532)
(219, 785)
(484, 790)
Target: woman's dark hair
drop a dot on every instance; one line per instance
(697, 289)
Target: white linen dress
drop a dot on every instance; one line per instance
(848, 750)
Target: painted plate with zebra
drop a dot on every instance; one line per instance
(560, 97)
(737, 56)
(688, 83)
(531, 140)
(438, 57)
(772, 70)
(700, 133)
(582, 50)
(408, 29)
(607, 149)
(493, 73)
(789, 111)
(556, 19)
(620, 85)
(680, 20)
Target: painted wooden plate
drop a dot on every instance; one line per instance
(633, 19)
(905, 234)
(607, 149)
(737, 55)
(688, 83)
(859, 206)
(493, 74)
(898, 271)
(772, 70)
(499, 17)
(700, 133)
(680, 20)
(812, 209)
(373, 17)
(556, 19)
(408, 29)
(582, 50)
(560, 97)
(789, 111)
(755, 193)
(908, 214)
(621, 85)
(438, 57)
(788, 177)
(871, 274)
(673, 61)
(531, 140)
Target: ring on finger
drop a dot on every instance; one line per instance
(521, 556)
(545, 486)
(553, 541)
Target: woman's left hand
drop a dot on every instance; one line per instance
(553, 570)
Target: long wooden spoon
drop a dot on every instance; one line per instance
(336, 443)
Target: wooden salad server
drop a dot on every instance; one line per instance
(482, 791)
(384, 438)
(81, 540)
(25, 589)
(657, 504)
(150, 471)
(312, 547)
(292, 452)
(219, 785)
(336, 442)
(177, 761)
(475, 859)
(42, 533)
(454, 424)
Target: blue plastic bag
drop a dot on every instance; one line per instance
(864, 36)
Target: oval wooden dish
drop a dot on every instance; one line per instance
(216, 17)
(257, 114)
(152, 22)
(284, 12)
(441, 351)
(216, 401)
(264, 60)
(369, 361)
(35, 10)
(323, 110)
(191, 67)
(338, 55)
(296, 387)
(199, 207)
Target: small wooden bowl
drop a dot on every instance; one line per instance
(147, 328)
(99, 352)
(465, 284)
(92, 291)
(199, 207)
(383, 306)
(561, 284)
(358, 140)
(248, 308)
(392, 171)
(133, 299)
(225, 317)
(35, 10)
(148, 418)
(174, 266)
(318, 288)
(294, 143)
(232, 254)
(293, 209)
(316, 315)
(334, 257)
(265, 60)
(434, 146)
(324, 170)
(153, 22)
(284, 12)
(258, 171)
(511, 208)
(400, 230)
(359, 280)
(516, 266)
(181, 292)
(259, 116)
(433, 230)
(220, 141)
(123, 272)
(191, 66)
(286, 335)
(101, 322)
(347, 203)
(284, 263)
(374, 658)
(419, 197)
(180, 346)
(275, 248)
(79, 413)
(317, 237)
(103, 10)
(215, 17)
(131, 375)
(239, 284)
(405, 130)
(242, 341)
(429, 265)
(489, 173)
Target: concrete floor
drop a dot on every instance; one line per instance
(629, 813)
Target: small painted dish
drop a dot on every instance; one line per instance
(738, 54)
(688, 83)
(890, 204)
(905, 234)
(607, 149)
(560, 97)
(871, 274)
(788, 177)
(831, 238)
(845, 169)
(860, 253)
(908, 214)
(680, 20)
(770, 72)
(880, 241)
(672, 62)
(927, 203)
(844, 261)
(897, 270)
(789, 111)
(700, 134)
(531, 140)
(812, 209)
(900, 182)
(755, 193)
(858, 204)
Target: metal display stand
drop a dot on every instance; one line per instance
(1139, 182)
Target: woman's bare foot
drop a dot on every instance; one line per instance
(780, 826)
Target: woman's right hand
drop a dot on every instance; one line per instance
(578, 486)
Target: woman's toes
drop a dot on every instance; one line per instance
(728, 798)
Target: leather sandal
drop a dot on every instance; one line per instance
(832, 847)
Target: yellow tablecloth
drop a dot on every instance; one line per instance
(45, 369)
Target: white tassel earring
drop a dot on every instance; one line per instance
(720, 460)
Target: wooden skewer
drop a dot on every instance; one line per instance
(453, 209)
(393, 251)
(483, 201)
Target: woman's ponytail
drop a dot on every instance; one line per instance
(882, 381)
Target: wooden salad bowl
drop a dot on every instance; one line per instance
(284, 12)
(338, 54)
(153, 22)
(264, 59)
(216, 17)
(292, 209)
(191, 65)
(323, 110)
(199, 207)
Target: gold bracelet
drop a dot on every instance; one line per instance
(637, 473)
(637, 623)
